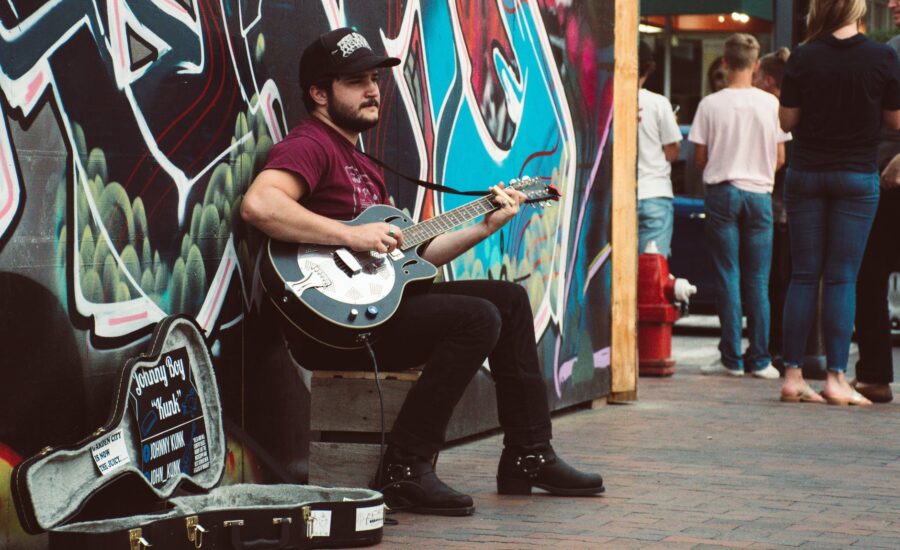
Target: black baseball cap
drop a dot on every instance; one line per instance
(339, 52)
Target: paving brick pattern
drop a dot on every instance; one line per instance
(697, 462)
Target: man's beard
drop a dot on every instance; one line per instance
(344, 118)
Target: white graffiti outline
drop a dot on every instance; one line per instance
(25, 91)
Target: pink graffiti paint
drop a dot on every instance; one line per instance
(117, 17)
(218, 294)
(8, 182)
(34, 87)
(176, 6)
(128, 318)
(270, 116)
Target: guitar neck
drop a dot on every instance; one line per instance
(423, 231)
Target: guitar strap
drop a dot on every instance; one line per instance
(426, 184)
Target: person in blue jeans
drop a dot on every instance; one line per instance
(659, 140)
(739, 146)
(839, 88)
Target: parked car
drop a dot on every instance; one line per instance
(690, 258)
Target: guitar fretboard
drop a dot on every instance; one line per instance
(429, 229)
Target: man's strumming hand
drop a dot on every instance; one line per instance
(378, 237)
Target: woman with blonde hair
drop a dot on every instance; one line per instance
(839, 88)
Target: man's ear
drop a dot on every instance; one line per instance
(318, 95)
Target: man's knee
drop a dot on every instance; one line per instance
(511, 294)
(485, 323)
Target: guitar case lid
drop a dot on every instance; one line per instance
(165, 428)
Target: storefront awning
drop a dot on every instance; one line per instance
(761, 9)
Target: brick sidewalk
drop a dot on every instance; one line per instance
(697, 462)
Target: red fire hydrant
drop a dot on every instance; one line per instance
(658, 292)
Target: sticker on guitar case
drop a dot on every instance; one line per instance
(370, 518)
(171, 425)
(110, 453)
(319, 524)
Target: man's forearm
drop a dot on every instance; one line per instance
(449, 246)
(671, 150)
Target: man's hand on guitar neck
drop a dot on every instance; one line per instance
(448, 246)
(508, 200)
(377, 237)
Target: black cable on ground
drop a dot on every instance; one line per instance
(378, 480)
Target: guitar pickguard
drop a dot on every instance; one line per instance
(323, 270)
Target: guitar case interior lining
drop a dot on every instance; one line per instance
(165, 438)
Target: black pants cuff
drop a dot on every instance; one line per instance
(528, 436)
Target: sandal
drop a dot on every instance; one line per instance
(855, 399)
(806, 395)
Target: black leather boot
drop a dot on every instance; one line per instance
(409, 483)
(522, 468)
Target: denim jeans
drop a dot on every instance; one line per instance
(830, 215)
(739, 235)
(656, 217)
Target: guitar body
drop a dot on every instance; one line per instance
(339, 297)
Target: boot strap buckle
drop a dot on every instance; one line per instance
(530, 464)
(397, 472)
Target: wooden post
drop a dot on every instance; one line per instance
(624, 205)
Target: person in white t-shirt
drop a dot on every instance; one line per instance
(658, 142)
(739, 145)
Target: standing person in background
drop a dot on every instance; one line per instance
(767, 78)
(739, 147)
(875, 368)
(838, 87)
(716, 76)
(659, 140)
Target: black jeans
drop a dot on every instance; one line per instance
(451, 330)
(873, 325)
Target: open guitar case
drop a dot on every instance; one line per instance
(165, 436)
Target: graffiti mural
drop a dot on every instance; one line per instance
(131, 128)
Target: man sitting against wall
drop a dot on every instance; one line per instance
(314, 179)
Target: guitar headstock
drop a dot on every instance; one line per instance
(535, 189)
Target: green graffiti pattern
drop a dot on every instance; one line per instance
(181, 286)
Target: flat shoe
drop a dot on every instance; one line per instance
(855, 399)
(806, 395)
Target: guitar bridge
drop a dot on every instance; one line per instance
(347, 262)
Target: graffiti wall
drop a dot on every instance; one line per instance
(131, 128)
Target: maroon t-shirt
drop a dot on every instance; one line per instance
(342, 181)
